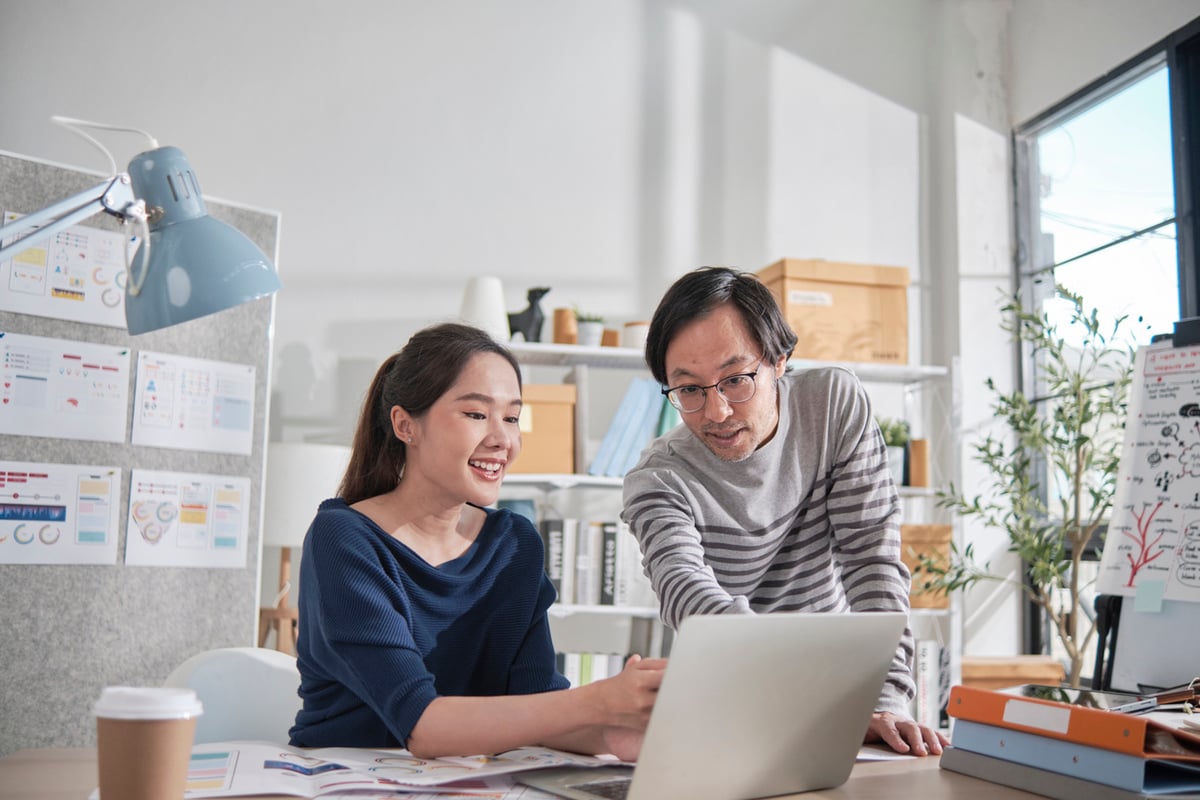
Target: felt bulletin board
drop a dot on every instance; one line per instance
(70, 629)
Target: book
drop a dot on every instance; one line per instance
(644, 401)
(1109, 767)
(1135, 734)
(644, 429)
(572, 666)
(632, 587)
(570, 538)
(622, 419)
(1040, 781)
(551, 529)
(587, 563)
(608, 563)
(927, 671)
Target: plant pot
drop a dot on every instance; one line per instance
(591, 333)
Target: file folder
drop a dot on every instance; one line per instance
(1109, 730)
(1109, 767)
(1041, 781)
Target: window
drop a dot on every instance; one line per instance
(1104, 198)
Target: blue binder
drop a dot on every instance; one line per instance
(1109, 767)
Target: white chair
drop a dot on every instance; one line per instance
(249, 693)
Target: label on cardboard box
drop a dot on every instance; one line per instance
(798, 297)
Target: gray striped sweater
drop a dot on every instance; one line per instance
(809, 522)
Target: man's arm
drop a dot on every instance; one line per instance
(672, 551)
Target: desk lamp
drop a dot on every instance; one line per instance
(190, 264)
(299, 476)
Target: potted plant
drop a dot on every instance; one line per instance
(591, 328)
(1052, 475)
(896, 436)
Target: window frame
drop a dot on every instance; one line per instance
(1180, 51)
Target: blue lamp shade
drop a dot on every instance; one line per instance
(197, 265)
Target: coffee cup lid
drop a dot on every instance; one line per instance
(147, 702)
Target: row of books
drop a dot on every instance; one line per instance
(595, 563)
(1071, 751)
(584, 668)
(643, 414)
(931, 674)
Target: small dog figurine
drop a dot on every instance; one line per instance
(528, 322)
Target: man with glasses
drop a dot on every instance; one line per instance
(774, 495)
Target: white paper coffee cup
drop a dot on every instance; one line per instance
(144, 741)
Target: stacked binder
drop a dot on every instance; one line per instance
(1071, 752)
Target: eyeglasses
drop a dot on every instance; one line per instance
(733, 388)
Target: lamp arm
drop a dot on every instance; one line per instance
(114, 197)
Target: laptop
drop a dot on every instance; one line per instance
(751, 706)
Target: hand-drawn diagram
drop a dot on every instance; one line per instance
(1154, 533)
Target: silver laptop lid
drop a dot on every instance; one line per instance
(753, 706)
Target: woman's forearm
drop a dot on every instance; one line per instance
(569, 719)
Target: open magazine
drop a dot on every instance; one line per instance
(232, 769)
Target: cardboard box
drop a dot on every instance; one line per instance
(843, 312)
(547, 429)
(1001, 672)
(918, 540)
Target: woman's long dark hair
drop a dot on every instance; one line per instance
(413, 379)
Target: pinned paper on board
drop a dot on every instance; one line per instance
(179, 519)
(58, 513)
(1152, 549)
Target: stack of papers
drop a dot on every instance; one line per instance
(231, 769)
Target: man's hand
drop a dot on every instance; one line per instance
(904, 735)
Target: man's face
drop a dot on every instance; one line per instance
(711, 349)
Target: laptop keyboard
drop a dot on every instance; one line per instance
(612, 789)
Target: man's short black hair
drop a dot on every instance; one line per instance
(697, 293)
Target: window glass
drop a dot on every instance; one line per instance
(1105, 172)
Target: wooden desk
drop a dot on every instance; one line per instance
(70, 774)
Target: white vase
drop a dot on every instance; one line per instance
(483, 307)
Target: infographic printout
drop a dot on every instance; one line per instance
(62, 388)
(179, 519)
(59, 513)
(193, 404)
(78, 274)
(1152, 549)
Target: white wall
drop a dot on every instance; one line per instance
(601, 148)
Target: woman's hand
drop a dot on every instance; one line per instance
(627, 699)
(904, 735)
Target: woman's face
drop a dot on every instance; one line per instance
(470, 435)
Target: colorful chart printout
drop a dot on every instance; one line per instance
(193, 404)
(179, 519)
(78, 274)
(1152, 549)
(62, 388)
(58, 513)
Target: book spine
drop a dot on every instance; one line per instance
(608, 563)
(570, 542)
(927, 705)
(552, 540)
(587, 563)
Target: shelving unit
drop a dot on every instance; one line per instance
(580, 361)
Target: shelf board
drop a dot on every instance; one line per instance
(916, 491)
(562, 610)
(550, 481)
(569, 355)
(877, 373)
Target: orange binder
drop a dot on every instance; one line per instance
(1110, 730)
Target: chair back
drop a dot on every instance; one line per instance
(249, 693)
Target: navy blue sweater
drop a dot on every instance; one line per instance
(382, 633)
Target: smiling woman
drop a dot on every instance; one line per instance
(423, 617)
